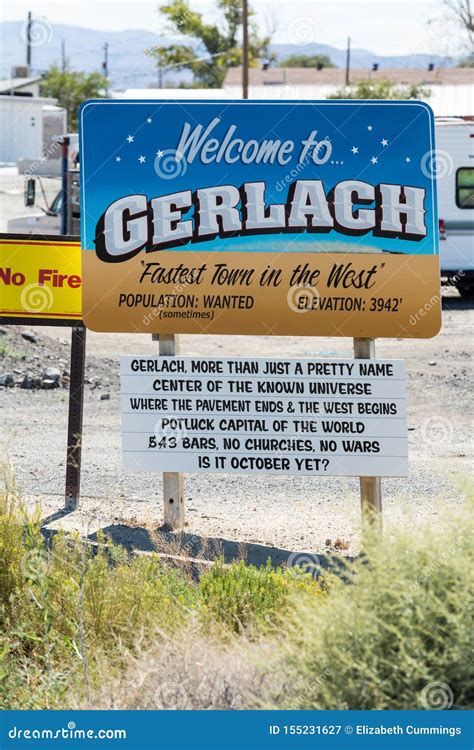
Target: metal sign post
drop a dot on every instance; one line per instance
(173, 484)
(76, 408)
(370, 487)
(64, 191)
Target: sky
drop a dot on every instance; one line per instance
(382, 26)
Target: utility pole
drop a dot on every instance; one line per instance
(28, 42)
(348, 61)
(63, 55)
(245, 50)
(105, 67)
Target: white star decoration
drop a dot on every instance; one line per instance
(408, 160)
(354, 149)
(149, 120)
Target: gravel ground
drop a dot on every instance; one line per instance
(301, 514)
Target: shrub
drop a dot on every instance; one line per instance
(242, 597)
(18, 536)
(381, 89)
(77, 622)
(68, 608)
(396, 635)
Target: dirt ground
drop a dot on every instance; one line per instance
(290, 513)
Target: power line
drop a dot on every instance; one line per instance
(348, 61)
(105, 67)
(245, 50)
(28, 41)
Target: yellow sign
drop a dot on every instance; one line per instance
(40, 278)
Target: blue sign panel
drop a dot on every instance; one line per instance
(257, 180)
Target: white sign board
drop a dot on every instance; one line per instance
(264, 416)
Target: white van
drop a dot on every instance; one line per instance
(455, 180)
(47, 219)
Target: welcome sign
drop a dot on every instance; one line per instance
(249, 217)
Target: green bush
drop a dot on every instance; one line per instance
(19, 535)
(242, 597)
(68, 608)
(397, 634)
(393, 632)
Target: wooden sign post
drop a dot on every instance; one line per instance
(249, 220)
(173, 483)
(370, 487)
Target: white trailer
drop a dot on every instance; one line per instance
(455, 180)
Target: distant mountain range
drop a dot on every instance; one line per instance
(363, 58)
(129, 67)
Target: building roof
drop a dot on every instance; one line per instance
(12, 84)
(336, 76)
(178, 94)
(22, 101)
(445, 101)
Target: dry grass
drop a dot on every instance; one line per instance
(192, 670)
(84, 626)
